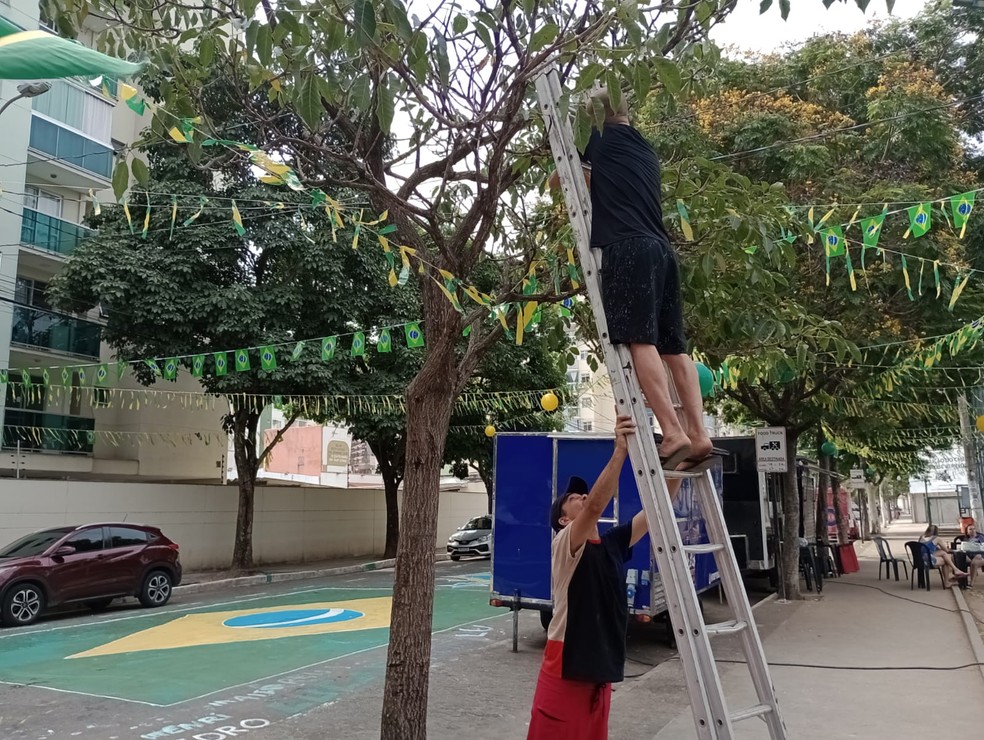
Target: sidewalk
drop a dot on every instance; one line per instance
(205, 580)
(868, 659)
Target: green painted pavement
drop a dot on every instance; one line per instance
(169, 676)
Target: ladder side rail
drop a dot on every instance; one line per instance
(705, 700)
(754, 650)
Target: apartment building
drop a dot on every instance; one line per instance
(56, 149)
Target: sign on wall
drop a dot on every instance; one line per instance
(770, 450)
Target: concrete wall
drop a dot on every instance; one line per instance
(292, 524)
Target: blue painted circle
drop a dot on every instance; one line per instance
(292, 618)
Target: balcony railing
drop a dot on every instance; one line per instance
(47, 232)
(37, 328)
(74, 149)
(35, 430)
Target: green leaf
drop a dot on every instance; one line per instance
(669, 75)
(765, 5)
(365, 22)
(386, 106)
(459, 24)
(784, 9)
(307, 98)
(251, 30)
(206, 51)
(614, 86)
(544, 36)
(264, 45)
(359, 93)
(443, 63)
(121, 179)
(140, 172)
(642, 81)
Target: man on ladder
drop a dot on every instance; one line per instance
(640, 279)
(640, 318)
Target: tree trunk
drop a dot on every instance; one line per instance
(790, 520)
(247, 465)
(389, 455)
(824, 485)
(429, 400)
(874, 517)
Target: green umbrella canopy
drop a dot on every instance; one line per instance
(39, 55)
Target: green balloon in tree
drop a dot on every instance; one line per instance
(871, 472)
(706, 378)
(829, 448)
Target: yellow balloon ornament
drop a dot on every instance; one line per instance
(490, 431)
(980, 423)
(549, 402)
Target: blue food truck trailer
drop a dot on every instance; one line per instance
(530, 469)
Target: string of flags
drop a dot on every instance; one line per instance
(217, 363)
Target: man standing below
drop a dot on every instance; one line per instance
(640, 278)
(585, 651)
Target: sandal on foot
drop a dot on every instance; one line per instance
(671, 461)
(696, 464)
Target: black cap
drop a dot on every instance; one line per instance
(574, 485)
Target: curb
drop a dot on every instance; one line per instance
(294, 575)
(973, 634)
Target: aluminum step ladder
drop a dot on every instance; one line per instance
(712, 717)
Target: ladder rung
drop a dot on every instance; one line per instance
(678, 474)
(757, 711)
(730, 627)
(703, 549)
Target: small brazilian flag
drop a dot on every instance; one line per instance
(415, 337)
(242, 360)
(25, 377)
(170, 368)
(920, 219)
(3, 375)
(962, 205)
(298, 349)
(152, 364)
(833, 240)
(385, 343)
(221, 363)
(45, 376)
(328, 345)
(197, 366)
(132, 99)
(359, 344)
(102, 375)
(237, 220)
(66, 376)
(121, 368)
(268, 358)
(82, 376)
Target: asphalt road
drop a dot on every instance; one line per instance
(284, 661)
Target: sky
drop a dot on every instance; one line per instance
(746, 29)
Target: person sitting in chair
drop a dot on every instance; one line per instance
(940, 557)
(975, 559)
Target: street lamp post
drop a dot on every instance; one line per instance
(26, 90)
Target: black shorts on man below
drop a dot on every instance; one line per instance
(640, 278)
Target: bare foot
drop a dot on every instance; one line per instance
(700, 446)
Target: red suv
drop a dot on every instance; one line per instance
(92, 564)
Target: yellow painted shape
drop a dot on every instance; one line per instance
(195, 630)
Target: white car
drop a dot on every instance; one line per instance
(474, 537)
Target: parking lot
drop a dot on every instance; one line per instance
(260, 660)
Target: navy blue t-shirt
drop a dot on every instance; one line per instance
(625, 186)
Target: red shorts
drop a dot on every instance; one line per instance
(569, 710)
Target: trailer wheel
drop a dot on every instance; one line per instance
(545, 616)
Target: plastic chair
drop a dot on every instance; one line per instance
(920, 561)
(886, 558)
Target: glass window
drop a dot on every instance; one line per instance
(43, 202)
(479, 522)
(88, 540)
(587, 426)
(126, 537)
(33, 544)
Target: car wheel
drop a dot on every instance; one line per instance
(156, 589)
(455, 557)
(22, 605)
(97, 605)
